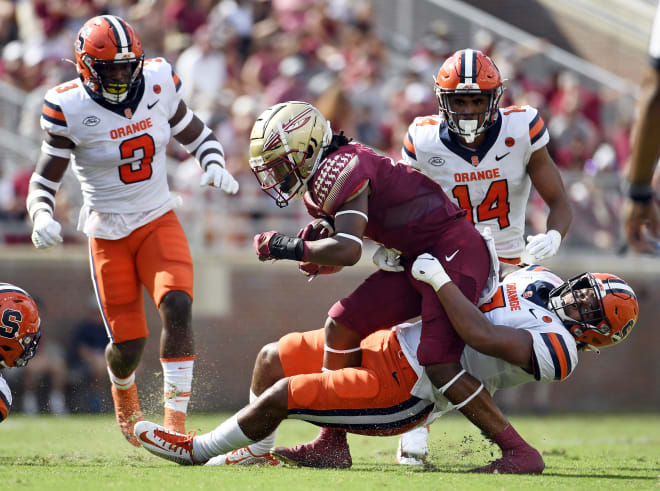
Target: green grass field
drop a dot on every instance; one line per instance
(581, 452)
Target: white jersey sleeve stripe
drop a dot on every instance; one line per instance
(559, 353)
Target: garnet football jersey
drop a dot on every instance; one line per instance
(491, 183)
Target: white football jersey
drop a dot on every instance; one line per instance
(5, 399)
(119, 158)
(491, 183)
(519, 302)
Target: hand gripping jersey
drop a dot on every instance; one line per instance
(407, 210)
(519, 302)
(119, 157)
(491, 183)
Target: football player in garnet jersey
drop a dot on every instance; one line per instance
(20, 332)
(486, 159)
(113, 122)
(366, 195)
(641, 222)
(532, 330)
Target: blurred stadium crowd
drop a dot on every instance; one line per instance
(237, 57)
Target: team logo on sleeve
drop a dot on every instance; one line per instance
(437, 161)
(91, 121)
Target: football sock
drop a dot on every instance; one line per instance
(509, 438)
(225, 438)
(177, 381)
(121, 383)
(262, 446)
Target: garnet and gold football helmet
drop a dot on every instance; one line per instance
(109, 58)
(468, 72)
(20, 329)
(599, 309)
(286, 146)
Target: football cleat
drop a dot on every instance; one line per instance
(166, 444)
(127, 410)
(519, 460)
(243, 456)
(413, 447)
(328, 451)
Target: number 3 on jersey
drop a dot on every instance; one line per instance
(494, 205)
(140, 170)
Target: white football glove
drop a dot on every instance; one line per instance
(387, 259)
(45, 231)
(542, 246)
(219, 177)
(428, 269)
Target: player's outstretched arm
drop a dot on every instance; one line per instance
(547, 180)
(201, 143)
(504, 342)
(44, 183)
(641, 223)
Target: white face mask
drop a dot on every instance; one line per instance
(468, 129)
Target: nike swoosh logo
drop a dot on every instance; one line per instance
(395, 378)
(149, 106)
(500, 157)
(143, 439)
(449, 258)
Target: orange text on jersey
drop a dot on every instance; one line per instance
(481, 175)
(130, 129)
(512, 295)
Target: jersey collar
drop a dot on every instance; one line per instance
(122, 109)
(452, 142)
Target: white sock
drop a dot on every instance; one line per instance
(122, 383)
(225, 438)
(262, 446)
(177, 382)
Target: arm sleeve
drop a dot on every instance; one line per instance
(538, 132)
(555, 355)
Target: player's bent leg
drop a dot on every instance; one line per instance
(413, 447)
(177, 357)
(467, 395)
(122, 359)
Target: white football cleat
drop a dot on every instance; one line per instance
(243, 456)
(165, 443)
(413, 447)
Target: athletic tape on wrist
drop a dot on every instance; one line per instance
(38, 178)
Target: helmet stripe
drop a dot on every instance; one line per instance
(121, 34)
(468, 65)
(6, 287)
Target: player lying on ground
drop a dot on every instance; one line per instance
(531, 330)
(20, 332)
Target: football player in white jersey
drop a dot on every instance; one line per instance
(20, 332)
(486, 159)
(641, 222)
(113, 123)
(532, 330)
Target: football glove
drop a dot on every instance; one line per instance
(542, 246)
(428, 269)
(219, 177)
(387, 259)
(45, 231)
(274, 245)
(317, 229)
(313, 269)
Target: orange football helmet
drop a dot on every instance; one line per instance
(20, 326)
(468, 72)
(109, 58)
(599, 309)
